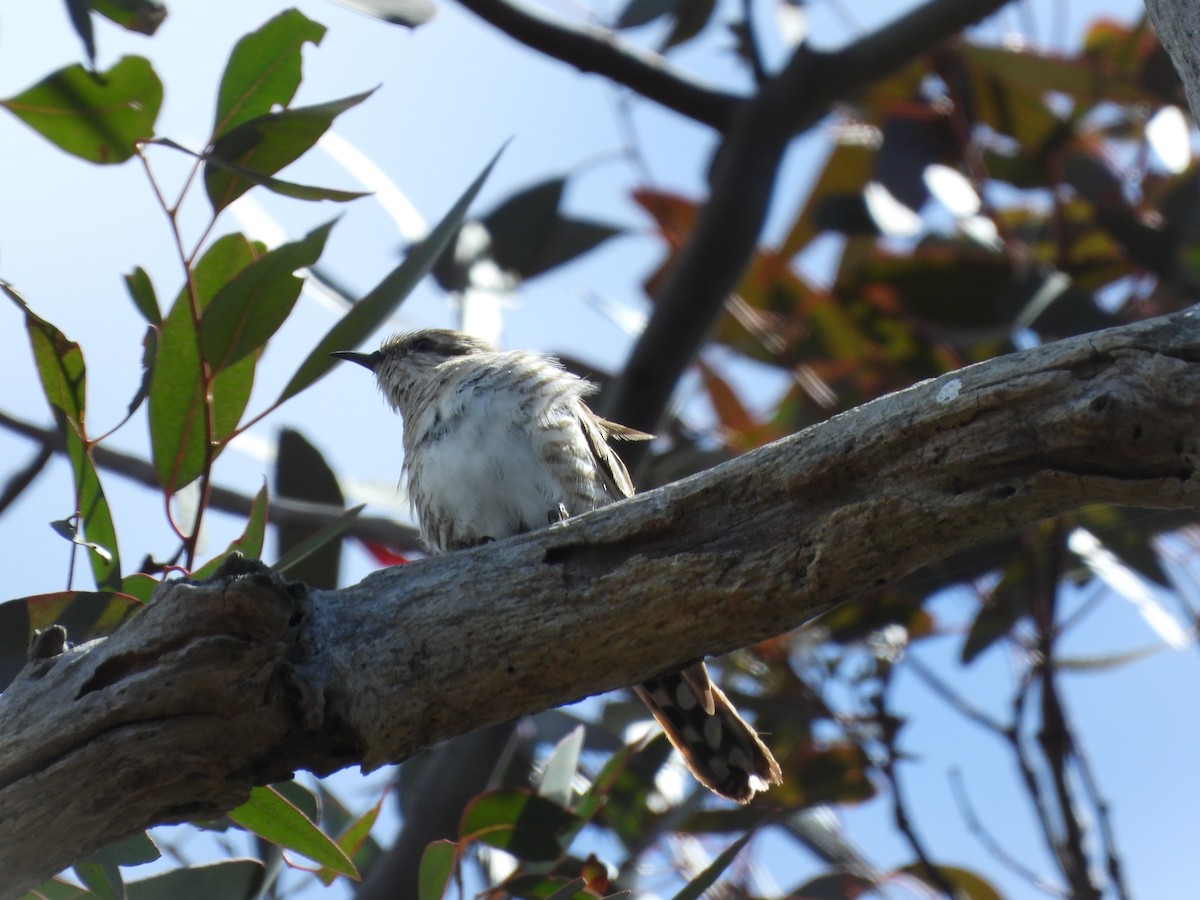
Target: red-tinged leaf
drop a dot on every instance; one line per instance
(63, 375)
(267, 143)
(369, 312)
(250, 307)
(274, 819)
(98, 117)
(674, 215)
(385, 555)
(524, 824)
(264, 70)
(437, 868)
(736, 421)
(179, 405)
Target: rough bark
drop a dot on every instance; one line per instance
(218, 686)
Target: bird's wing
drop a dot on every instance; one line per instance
(612, 471)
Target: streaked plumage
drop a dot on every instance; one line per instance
(497, 444)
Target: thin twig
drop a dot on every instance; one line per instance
(1104, 822)
(24, 477)
(592, 49)
(956, 700)
(281, 511)
(990, 844)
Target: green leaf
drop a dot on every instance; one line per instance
(141, 290)
(264, 70)
(97, 117)
(64, 379)
(272, 818)
(369, 312)
(695, 888)
(249, 544)
(140, 16)
(265, 144)
(409, 13)
(179, 405)
(250, 307)
(437, 867)
(526, 825)
(967, 885)
(101, 877)
(233, 879)
(318, 540)
(354, 837)
(560, 768)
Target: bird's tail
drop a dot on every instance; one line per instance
(724, 753)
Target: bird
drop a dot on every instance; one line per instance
(502, 443)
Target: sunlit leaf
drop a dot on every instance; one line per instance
(264, 70)
(560, 768)
(274, 819)
(267, 143)
(178, 403)
(95, 116)
(967, 885)
(249, 308)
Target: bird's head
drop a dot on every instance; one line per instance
(407, 358)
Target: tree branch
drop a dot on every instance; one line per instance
(744, 171)
(218, 686)
(592, 49)
(281, 510)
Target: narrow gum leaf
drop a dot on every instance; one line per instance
(373, 309)
(272, 818)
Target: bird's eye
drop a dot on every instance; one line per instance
(422, 344)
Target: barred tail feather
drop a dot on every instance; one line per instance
(724, 753)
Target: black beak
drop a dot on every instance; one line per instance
(367, 360)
